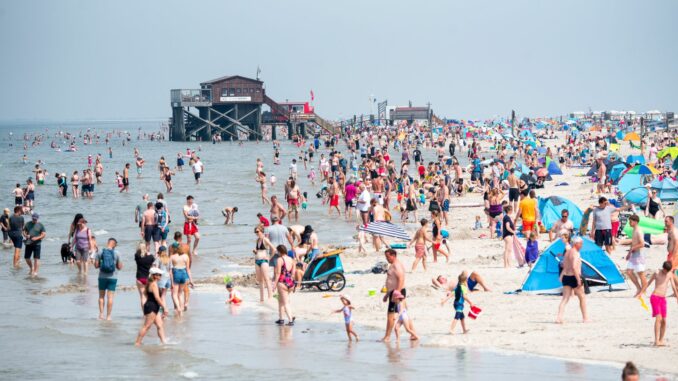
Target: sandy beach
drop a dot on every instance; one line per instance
(620, 330)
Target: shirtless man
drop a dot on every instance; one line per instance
(602, 171)
(443, 197)
(148, 223)
(661, 280)
(635, 265)
(379, 214)
(294, 199)
(277, 210)
(395, 280)
(333, 192)
(140, 165)
(419, 240)
(229, 214)
(672, 239)
(378, 189)
(191, 215)
(125, 179)
(572, 280)
(514, 189)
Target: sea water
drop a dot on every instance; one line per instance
(48, 332)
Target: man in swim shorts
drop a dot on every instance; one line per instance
(419, 240)
(191, 215)
(148, 224)
(635, 265)
(572, 281)
(395, 280)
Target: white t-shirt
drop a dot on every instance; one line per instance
(364, 201)
(197, 167)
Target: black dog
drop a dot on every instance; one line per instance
(66, 253)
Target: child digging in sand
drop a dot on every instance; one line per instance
(459, 299)
(347, 310)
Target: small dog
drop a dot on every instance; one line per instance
(66, 253)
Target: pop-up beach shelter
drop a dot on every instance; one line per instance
(551, 207)
(597, 269)
(554, 169)
(667, 188)
(633, 188)
(632, 159)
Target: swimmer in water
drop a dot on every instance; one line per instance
(229, 214)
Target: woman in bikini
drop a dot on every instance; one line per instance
(261, 259)
(261, 179)
(181, 278)
(285, 284)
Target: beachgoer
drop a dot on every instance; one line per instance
(672, 241)
(229, 214)
(532, 249)
(234, 296)
(191, 214)
(144, 261)
(572, 280)
(149, 222)
(635, 265)
(285, 284)
(34, 233)
(630, 372)
(601, 230)
(419, 240)
(347, 311)
(4, 225)
(395, 280)
(181, 277)
(152, 307)
(16, 228)
(261, 262)
(508, 233)
(164, 263)
(108, 262)
(528, 212)
(661, 278)
(459, 299)
(82, 244)
(125, 179)
(563, 225)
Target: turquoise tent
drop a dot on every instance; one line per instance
(667, 189)
(632, 186)
(597, 269)
(551, 207)
(632, 159)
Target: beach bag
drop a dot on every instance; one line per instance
(107, 261)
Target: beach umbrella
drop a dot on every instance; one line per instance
(631, 137)
(643, 170)
(386, 229)
(542, 172)
(669, 151)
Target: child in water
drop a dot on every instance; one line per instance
(532, 249)
(312, 175)
(459, 298)
(233, 295)
(403, 319)
(347, 310)
(273, 180)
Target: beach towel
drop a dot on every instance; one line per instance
(518, 251)
(562, 184)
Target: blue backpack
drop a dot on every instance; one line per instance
(107, 261)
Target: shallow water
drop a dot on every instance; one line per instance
(58, 337)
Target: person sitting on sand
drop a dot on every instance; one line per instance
(662, 278)
(474, 279)
(229, 213)
(649, 239)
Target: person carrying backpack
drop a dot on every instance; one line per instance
(108, 262)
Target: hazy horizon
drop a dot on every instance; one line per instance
(76, 60)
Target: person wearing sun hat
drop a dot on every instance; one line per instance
(152, 307)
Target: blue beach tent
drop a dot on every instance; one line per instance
(632, 159)
(551, 207)
(597, 269)
(615, 172)
(554, 169)
(667, 189)
(632, 186)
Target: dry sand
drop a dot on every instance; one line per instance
(620, 329)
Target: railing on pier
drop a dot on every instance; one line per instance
(191, 97)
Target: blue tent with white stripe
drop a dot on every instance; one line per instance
(597, 269)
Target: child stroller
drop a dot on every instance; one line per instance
(325, 272)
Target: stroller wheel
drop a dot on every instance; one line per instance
(336, 282)
(323, 286)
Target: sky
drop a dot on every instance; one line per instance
(91, 59)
